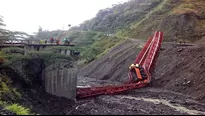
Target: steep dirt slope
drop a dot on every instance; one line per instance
(201, 41)
(179, 68)
(179, 79)
(114, 65)
(182, 69)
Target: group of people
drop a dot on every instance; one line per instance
(55, 41)
(52, 40)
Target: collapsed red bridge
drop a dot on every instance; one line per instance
(139, 75)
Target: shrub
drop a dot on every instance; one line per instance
(19, 110)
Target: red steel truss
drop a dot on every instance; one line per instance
(145, 58)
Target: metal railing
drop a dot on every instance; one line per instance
(29, 42)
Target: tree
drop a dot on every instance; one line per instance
(69, 25)
(3, 32)
(31, 65)
(40, 29)
(14, 35)
(1, 21)
(120, 16)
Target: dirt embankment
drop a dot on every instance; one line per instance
(114, 65)
(32, 97)
(179, 81)
(182, 69)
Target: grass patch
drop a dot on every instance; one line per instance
(16, 50)
(7, 92)
(154, 10)
(4, 88)
(185, 8)
(100, 47)
(107, 50)
(18, 109)
(58, 48)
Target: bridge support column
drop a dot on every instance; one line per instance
(68, 52)
(61, 80)
(26, 48)
(32, 48)
(63, 52)
(41, 48)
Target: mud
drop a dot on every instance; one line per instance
(177, 88)
(146, 101)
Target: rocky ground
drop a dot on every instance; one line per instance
(146, 101)
(177, 88)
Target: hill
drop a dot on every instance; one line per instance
(178, 19)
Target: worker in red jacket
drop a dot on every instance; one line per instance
(51, 40)
(58, 41)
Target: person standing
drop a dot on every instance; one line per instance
(46, 41)
(51, 40)
(57, 41)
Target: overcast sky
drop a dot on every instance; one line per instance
(28, 15)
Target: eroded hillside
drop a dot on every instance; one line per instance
(178, 19)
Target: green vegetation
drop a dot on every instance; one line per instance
(29, 67)
(121, 40)
(133, 19)
(9, 95)
(120, 16)
(3, 32)
(99, 47)
(7, 91)
(2, 55)
(25, 69)
(13, 35)
(140, 18)
(89, 43)
(57, 49)
(13, 50)
(18, 109)
(84, 38)
(178, 19)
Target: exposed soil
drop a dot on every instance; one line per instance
(179, 67)
(179, 73)
(182, 69)
(45, 104)
(147, 101)
(114, 65)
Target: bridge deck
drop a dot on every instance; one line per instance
(21, 45)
